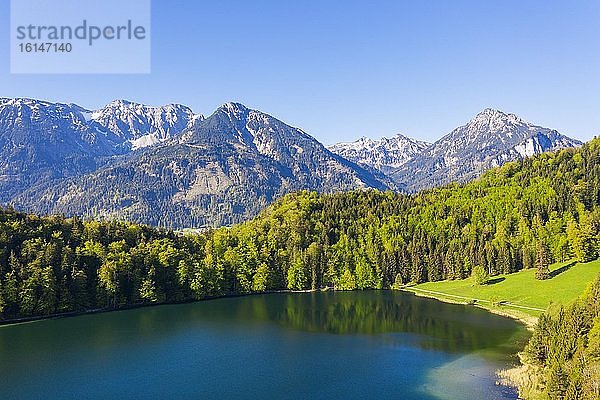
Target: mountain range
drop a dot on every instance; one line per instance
(164, 165)
(168, 166)
(490, 139)
(42, 141)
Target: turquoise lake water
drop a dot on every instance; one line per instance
(330, 345)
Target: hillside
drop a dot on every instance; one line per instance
(305, 240)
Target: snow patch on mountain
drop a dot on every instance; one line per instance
(490, 139)
(384, 155)
(145, 141)
(141, 125)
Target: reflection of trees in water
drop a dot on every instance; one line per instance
(441, 326)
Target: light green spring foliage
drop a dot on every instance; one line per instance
(563, 353)
(480, 275)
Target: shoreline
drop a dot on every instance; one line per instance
(527, 320)
(70, 314)
(515, 376)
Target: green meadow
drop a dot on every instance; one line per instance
(519, 291)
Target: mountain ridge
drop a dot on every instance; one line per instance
(385, 154)
(489, 139)
(220, 170)
(130, 160)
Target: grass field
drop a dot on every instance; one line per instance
(519, 293)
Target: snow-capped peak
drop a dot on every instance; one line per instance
(125, 124)
(142, 125)
(493, 119)
(234, 110)
(488, 140)
(384, 154)
(489, 129)
(17, 110)
(233, 106)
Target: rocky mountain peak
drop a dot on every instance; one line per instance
(493, 120)
(384, 154)
(236, 112)
(141, 125)
(490, 139)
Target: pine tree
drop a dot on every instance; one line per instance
(296, 278)
(398, 282)
(364, 273)
(261, 277)
(527, 258)
(347, 281)
(585, 244)
(558, 383)
(148, 288)
(467, 266)
(542, 262)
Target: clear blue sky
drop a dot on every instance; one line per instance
(345, 69)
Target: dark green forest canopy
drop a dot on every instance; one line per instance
(355, 240)
(562, 357)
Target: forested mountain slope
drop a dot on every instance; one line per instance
(364, 239)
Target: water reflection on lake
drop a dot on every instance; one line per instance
(319, 345)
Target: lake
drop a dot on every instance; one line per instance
(325, 345)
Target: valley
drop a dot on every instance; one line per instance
(300, 200)
(529, 199)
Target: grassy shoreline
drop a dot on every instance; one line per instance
(518, 295)
(504, 310)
